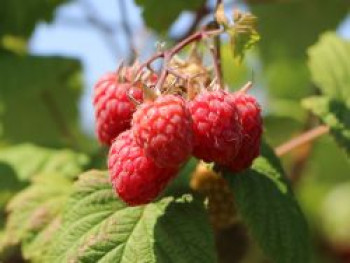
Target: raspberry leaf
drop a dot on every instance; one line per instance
(34, 216)
(243, 34)
(266, 202)
(330, 66)
(334, 113)
(98, 227)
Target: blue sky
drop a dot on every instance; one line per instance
(72, 35)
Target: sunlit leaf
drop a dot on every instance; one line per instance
(34, 216)
(97, 227)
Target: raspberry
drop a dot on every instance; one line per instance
(113, 108)
(135, 177)
(221, 207)
(163, 128)
(251, 122)
(217, 133)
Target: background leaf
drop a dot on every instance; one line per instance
(97, 227)
(160, 18)
(20, 17)
(47, 90)
(267, 204)
(330, 67)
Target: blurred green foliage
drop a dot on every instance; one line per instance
(19, 18)
(43, 150)
(330, 67)
(47, 90)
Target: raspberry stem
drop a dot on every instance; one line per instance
(217, 54)
(246, 87)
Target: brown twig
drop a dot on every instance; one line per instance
(301, 139)
(200, 14)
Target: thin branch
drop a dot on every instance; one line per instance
(214, 49)
(127, 29)
(106, 30)
(301, 139)
(217, 62)
(200, 14)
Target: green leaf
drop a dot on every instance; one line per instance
(334, 113)
(243, 34)
(160, 18)
(34, 216)
(28, 160)
(330, 66)
(267, 204)
(19, 17)
(97, 227)
(40, 106)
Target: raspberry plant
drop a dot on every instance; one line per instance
(190, 176)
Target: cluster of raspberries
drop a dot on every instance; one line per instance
(150, 140)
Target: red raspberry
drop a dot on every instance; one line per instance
(164, 129)
(217, 133)
(135, 177)
(251, 122)
(113, 108)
